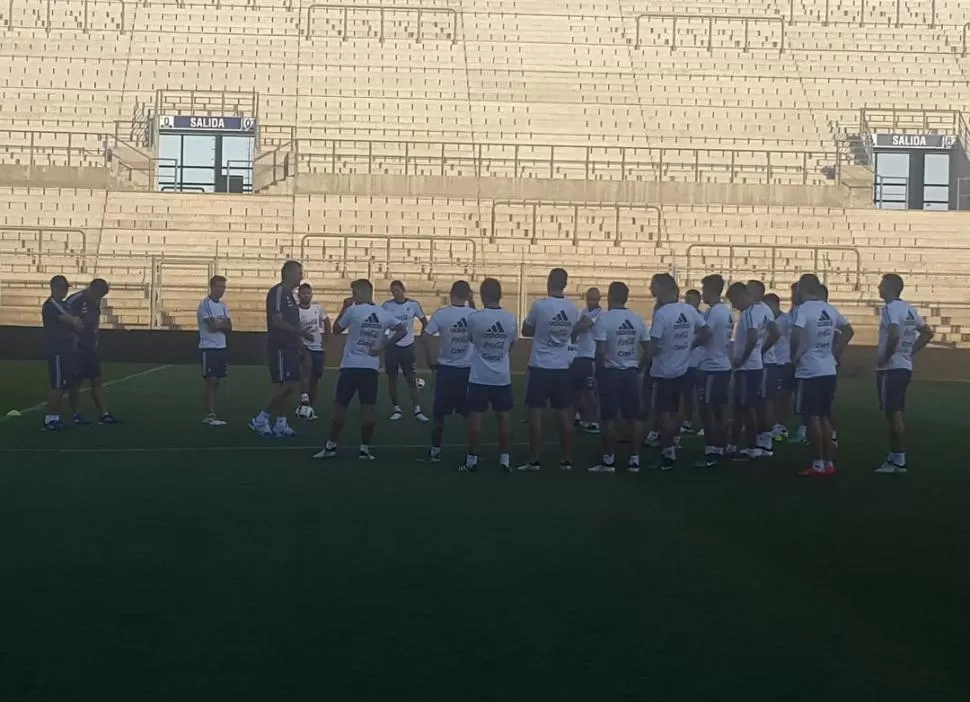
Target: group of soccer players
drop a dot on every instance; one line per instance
(591, 366)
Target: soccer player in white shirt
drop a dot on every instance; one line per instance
(583, 368)
(214, 323)
(692, 298)
(367, 326)
(714, 371)
(450, 362)
(400, 356)
(748, 373)
(554, 323)
(315, 321)
(620, 335)
(769, 380)
(677, 329)
(492, 331)
(819, 336)
(902, 334)
(781, 372)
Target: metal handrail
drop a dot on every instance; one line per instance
(711, 19)
(774, 249)
(576, 205)
(387, 239)
(40, 231)
(383, 9)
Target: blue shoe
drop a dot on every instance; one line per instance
(81, 421)
(108, 418)
(264, 429)
(55, 426)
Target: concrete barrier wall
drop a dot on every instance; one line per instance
(248, 348)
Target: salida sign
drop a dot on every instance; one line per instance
(913, 141)
(195, 123)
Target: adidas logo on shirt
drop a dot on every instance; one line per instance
(626, 328)
(495, 331)
(681, 322)
(824, 320)
(560, 320)
(460, 325)
(372, 321)
(910, 317)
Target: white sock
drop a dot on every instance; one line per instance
(818, 464)
(417, 409)
(435, 450)
(503, 459)
(305, 399)
(331, 444)
(677, 441)
(51, 418)
(829, 464)
(634, 459)
(898, 459)
(471, 460)
(395, 408)
(710, 451)
(365, 448)
(608, 459)
(670, 453)
(764, 441)
(731, 448)
(262, 417)
(652, 435)
(718, 450)
(687, 425)
(281, 421)
(577, 417)
(802, 430)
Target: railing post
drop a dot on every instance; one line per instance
(862, 13)
(673, 35)
(898, 6)
(417, 33)
(10, 14)
(535, 222)
(515, 161)
(576, 225)
(932, 14)
(697, 165)
(710, 34)
(48, 16)
(32, 135)
(85, 27)
(825, 20)
(791, 11)
(965, 27)
(552, 162)
(746, 23)
(442, 159)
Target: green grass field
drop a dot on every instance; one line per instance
(165, 560)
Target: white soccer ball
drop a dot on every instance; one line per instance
(419, 382)
(304, 411)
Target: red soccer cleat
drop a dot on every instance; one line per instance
(813, 472)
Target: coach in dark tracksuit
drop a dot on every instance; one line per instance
(86, 306)
(60, 341)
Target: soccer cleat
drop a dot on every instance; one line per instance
(700, 434)
(261, 428)
(710, 461)
(465, 468)
(108, 418)
(421, 417)
(632, 467)
(55, 426)
(590, 428)
(506, 468)
(326, 452)
(889, 467)
(779, 434)
(602, 468)
(212, 421)
(687, 429)
(530, 467)
(651, 442)
(396, 414)
(434, 457)
(284, 430)
(765, 453)
(746, 456)
(365, 455)
(665, 465)
(81, 421)
(818, 472)
(565, 466)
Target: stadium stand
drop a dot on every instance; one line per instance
(478, 137)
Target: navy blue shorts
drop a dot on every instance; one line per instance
(215, 362)
(284, 365)
(399, 359)
(770, 380)
(315, 363)
(582, 373)
(666, 393)
(619, 394)
(361, 382)
(814, 396)
(87, 364)
(892, 386)
(547, 386)
(62, 370)
(450, 391)
(786, 378)
(747, 387)
(481, 396)
(713, 386)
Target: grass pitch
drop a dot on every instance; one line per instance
(165, 560)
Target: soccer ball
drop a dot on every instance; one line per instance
(304, 411)
(419, 382)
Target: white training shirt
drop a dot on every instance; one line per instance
(768, 356)
(492, 331)
(586, 342)
(210, 309)
(697, 353)
(756, 317)
(782, 347)
(366, 325)
(553, 319)
(819, 321)
(311, 320)
(405, 312)
(451, 325)
(717, 351)
(674, 327)
(621, 332)
(905, 315)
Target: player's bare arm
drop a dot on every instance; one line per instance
(774, 333)
(750, 341)
(428, 345)
(701, 338)
(925, 336)
(893, 335)
(338, 328)
(842, 340)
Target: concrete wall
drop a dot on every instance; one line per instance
(77, 177)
